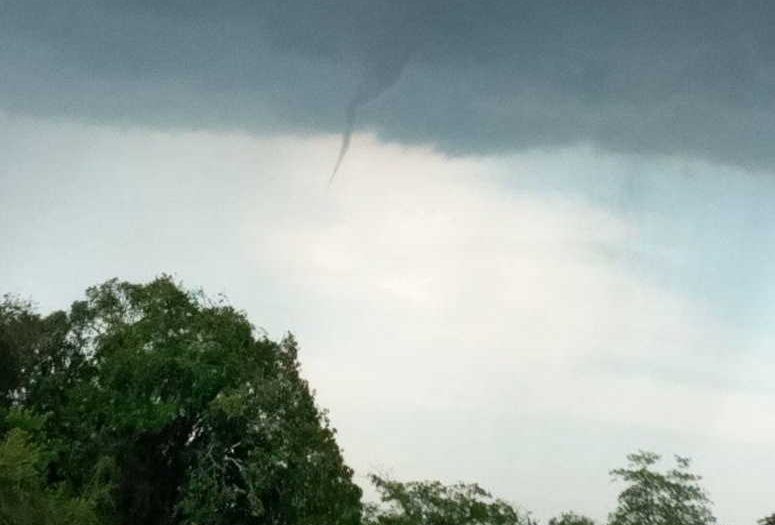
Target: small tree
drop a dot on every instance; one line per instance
(432, 503)
(655, 498)
(571, 518)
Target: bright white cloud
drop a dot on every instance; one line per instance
(428, 269)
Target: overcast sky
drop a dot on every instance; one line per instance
(549, 244)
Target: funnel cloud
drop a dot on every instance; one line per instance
(382, 71)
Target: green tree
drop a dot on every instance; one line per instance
(165, 407)
(769, 520)
(571, 518)
(432, 503)
(656, 498)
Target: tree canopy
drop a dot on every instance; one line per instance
(162, 407)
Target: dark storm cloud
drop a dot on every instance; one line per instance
(668, 77)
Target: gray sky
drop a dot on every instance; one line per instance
(549, 245)
(683, 77)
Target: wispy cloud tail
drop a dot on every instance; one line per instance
(346, 137)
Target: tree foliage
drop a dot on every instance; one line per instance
(24, 497)
(164, 407)
(432, 503)
(656, 498)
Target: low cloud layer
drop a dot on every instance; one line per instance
(692, 79)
